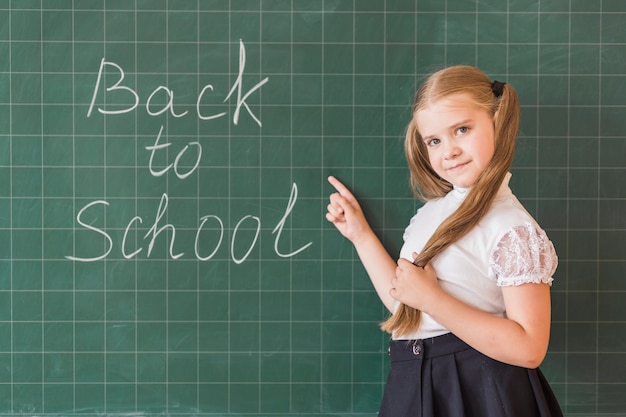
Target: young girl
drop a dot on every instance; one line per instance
(470, 294)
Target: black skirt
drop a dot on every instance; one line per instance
(445, 377)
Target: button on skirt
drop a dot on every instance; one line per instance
(444, 377)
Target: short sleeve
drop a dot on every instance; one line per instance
(524, 255)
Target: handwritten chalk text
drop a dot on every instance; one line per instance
(207, 240)
(153, 109)
(159, 229)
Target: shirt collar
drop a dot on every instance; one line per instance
(461, 192)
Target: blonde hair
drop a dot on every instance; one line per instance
(427, 185)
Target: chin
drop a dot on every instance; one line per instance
(461, 184)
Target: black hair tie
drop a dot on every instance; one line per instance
(497, 87)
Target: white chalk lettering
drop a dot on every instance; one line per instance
(256, 236)
(202, 234)
(128, 256)
(200, 96)
(114, 87)
(117, 72)
(112, 95)
(279, 227)
(95, 229)
(157, 146)
(203, 220)
(170, 103)
(155, 232)
(241, 101)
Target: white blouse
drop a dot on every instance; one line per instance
(507, 247)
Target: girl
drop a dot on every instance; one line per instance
(470, 293)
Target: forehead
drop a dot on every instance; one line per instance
(449, 103)
(448, 111)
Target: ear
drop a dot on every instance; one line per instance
(495, 116)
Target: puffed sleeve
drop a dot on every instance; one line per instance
(523, 255)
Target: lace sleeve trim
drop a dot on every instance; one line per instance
(524, 255)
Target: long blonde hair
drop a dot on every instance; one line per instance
(427, 185)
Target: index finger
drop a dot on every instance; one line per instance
(343, 190)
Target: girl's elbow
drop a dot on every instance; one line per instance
(534, 357)
(534, 348)
(534, 362)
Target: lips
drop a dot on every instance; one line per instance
(457, 166)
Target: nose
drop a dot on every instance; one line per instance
(451, 149)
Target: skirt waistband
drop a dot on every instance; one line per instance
(404, 350)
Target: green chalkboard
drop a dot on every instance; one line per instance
(163, 170)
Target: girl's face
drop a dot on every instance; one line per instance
(459, 137)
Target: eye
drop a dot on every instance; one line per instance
(433, 142)
(462, 130)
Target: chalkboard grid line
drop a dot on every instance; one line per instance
(167, 190)
(197, 211)
(598, 210)
(135, 320)
(43, 277)
(390, 43)
(105, 218)
(422, 11)
(383, 9)
(136, 269)
(606, 168)
(140, 135)
(11, 234)
(230, 300)
(168, 47)
(322, 118)
(292, 133)
(74, 317)
(567, 211)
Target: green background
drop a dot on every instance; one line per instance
(272, 336)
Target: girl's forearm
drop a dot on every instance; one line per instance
(500, 338)
(379, 265)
